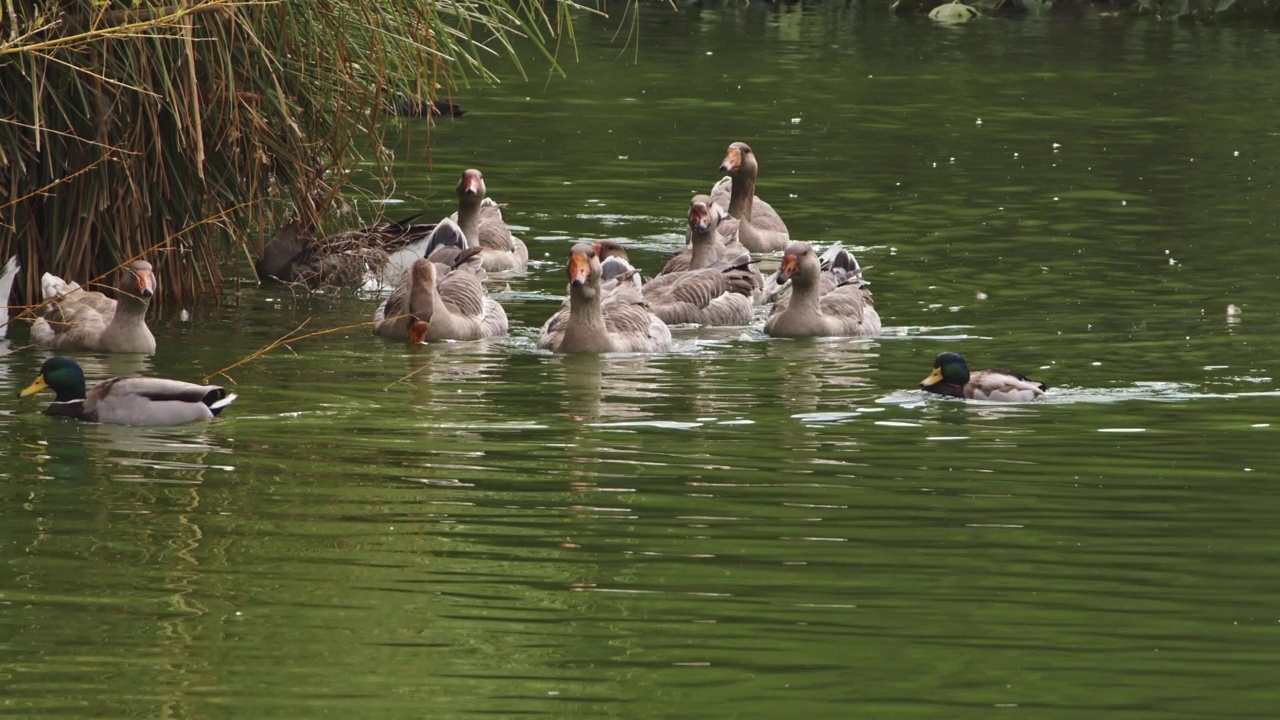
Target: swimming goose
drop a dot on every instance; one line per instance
(615, 267)
(754, 222)
(596, 322)
(454, 307)
(951, 377)
(720, 294)
(705, 245)
(126, 400)
(819, 304)
(716, 295)
(79, 319)
(7, 276)
(484, 227)
(446, 244)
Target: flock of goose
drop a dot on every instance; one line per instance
(437, 274)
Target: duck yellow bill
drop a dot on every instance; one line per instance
(35, 387)
(934, 378)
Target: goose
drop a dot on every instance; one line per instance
(820, 304)
(755, 223)
(445, 245)
(7, 276)
(595, 322)
(453, 307)
(720, 294)
(717, 295)
(951, 377)
(484, 227)
(707, 246)
(126, 400)
(615, 267)
(79, 319)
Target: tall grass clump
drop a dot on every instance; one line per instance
(174, 128)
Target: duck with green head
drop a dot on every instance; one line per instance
(126, 400)
(951, 377)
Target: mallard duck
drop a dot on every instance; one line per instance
(484, 227)
(79, 319)
(411, 107)
(821, 304)
(126, 400)
(755, 223)
(374, 256)
(951, 377)
(599, 322)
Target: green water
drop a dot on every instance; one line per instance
(742, 528)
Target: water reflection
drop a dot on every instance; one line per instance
(734, 528)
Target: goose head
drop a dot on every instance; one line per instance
(799, 262)
(138, 279)
(584, 270)
(606, 249)
(471, 187)
(704, 215)
(739, 160)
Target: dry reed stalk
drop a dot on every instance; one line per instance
(284, 341)
(124, 119)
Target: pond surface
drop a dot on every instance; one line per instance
(744, 527)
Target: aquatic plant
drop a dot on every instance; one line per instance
(177, 128)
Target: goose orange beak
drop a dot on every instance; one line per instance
(699, 219)
(418, 330)
(146, 282)
(470, 184)
(934, 378)
(579, 270)
(790, 266)
(732, 160)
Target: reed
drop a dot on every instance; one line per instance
(183, 127)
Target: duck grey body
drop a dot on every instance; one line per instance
(126, 400)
